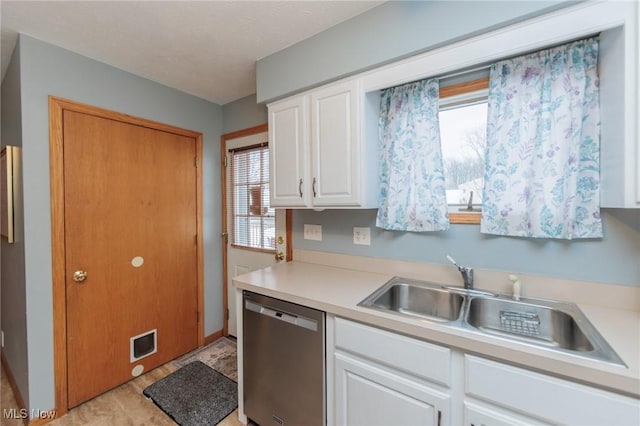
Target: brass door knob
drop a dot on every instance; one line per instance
(279, 255)
(79, 276)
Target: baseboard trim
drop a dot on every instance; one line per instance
(213, 337)
(50, 416)
(13, 384)
(47, 416)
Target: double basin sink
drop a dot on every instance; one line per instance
(558, 326)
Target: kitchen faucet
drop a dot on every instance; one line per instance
(467, 274)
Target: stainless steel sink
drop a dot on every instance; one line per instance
(531, 322)
(557, 326)
(416, 299)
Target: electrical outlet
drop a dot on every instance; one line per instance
(313, 232)
(362, 236)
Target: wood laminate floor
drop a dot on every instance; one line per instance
(124, 405)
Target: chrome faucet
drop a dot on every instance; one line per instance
(467, 273)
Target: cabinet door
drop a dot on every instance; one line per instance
(288, 150)
(335, 145)
(369, 395)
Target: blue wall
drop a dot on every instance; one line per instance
(49, 70)
(14, 303)
(398, 29)
(614, 259)
(385, 33)
(243, 114)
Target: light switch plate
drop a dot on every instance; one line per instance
(313, 232)
(362, 236)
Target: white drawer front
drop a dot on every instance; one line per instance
(477, 415)
(421, 359)
(547, 398)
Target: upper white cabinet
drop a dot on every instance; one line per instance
(289, 152)
(335, 145)
(319, 157)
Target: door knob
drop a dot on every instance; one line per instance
(79, 276)
(279, 255)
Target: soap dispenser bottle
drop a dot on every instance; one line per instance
(516, 286)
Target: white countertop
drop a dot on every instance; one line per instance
(338, 291)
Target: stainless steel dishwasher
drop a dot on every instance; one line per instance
(284, 362)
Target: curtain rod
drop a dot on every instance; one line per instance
(465, 71)
(250, 147)
(487, 65)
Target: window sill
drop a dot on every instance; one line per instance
(469, 218)
(261, 250)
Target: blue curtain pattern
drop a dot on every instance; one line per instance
(543, 145)
(412, 189)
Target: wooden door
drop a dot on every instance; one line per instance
(130, 220)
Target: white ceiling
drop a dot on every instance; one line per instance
(205, 48)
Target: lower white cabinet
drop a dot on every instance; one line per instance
(369, 395)
(543, 398)
(382, 378)
(376, 377)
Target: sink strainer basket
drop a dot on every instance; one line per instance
(524, 323)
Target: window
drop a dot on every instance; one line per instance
(463, 125)
(253, 218)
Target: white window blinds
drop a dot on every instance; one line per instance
(253, 218)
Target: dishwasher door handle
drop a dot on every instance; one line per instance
(298, 321)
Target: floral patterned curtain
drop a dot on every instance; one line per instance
(412, 191)
(543, 145)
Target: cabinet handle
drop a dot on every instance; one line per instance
(439, 417)
(300, 187)
(313, 187)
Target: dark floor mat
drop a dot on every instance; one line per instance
(195, 395)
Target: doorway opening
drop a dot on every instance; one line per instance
(131, 173)
(245, 201)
